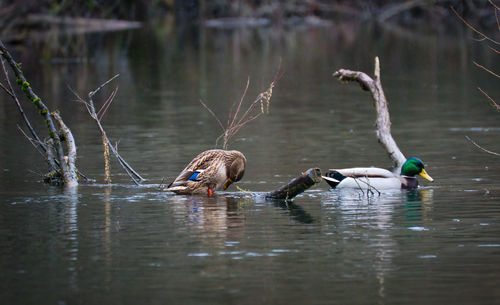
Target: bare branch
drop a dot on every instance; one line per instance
(494, 50)
(383, 121)
(486, 69)
(136, 178)
(213, 114)
(33, 142)
(20, 108)
(491, 100)
(494, 5)
(236, 123)
(106, 104)
(237, 120)
(480, 147)
(240, 103)
(496, 14)
(473, 28)
(92, 93)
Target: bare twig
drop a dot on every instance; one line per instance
(497, 107)
(136, 178)
(494, 50)
(482, 148)
(237, 121)
(106, 104)
(34, 142)
(496, 14)
(214, 115)
(494, 5)
(486, 69)
(13, 95)
(473, 28)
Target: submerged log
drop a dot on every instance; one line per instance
(297, 185)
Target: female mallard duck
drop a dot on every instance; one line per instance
(378, 178)
(209, 171)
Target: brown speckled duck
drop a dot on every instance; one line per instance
(209, 171)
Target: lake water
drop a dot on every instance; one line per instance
(131, 244)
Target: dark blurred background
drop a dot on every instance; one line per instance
(19, 16)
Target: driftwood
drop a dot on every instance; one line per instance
(297, 185)
(383, 121)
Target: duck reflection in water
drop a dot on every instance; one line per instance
(215, 215)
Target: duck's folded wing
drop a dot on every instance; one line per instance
(182, 178)
(369, 172)
(198, 164)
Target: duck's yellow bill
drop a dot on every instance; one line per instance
(425, 175)
(228, 183)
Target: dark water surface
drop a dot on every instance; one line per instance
(131, 244)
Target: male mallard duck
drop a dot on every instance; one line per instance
(209, 171)
(378, 178)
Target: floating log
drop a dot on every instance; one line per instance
(297, 185)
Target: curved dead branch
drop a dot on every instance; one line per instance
(383, 122)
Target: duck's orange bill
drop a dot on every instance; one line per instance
(425, 175)
(228, 183)
(210, 193)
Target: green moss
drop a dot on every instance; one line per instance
(36, 100)
(51, 134)
(25, 86)
(19, 81)
(43, 111)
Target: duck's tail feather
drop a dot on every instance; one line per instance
(179, 189)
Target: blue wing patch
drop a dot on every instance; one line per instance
(194, 176)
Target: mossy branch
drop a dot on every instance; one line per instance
(68, 174)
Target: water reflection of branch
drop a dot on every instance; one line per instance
(71, 226)
(296, 211)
